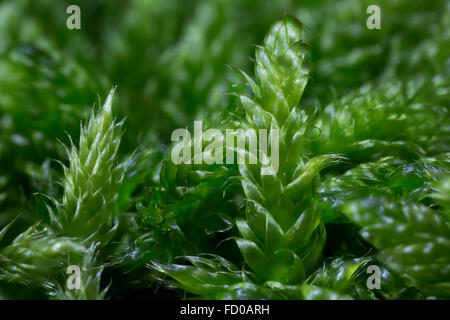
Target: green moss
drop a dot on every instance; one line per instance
(364, 149)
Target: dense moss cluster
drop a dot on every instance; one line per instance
(363, 122)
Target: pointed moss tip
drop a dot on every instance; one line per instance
(108, 102)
